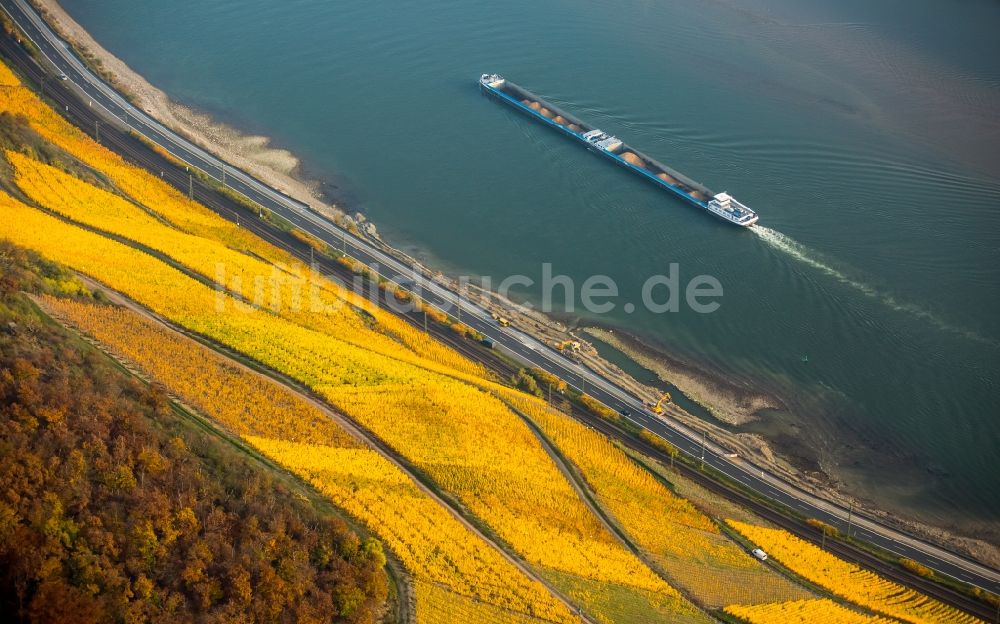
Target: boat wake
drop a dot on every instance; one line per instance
(803, 254)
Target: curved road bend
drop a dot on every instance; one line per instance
(522, 346)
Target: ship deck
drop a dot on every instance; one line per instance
(646, 164)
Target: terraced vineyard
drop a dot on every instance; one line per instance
(803, 612)
(681, 540)
(457, 571)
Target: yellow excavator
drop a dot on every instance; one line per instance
(574, 345)
(657, 408)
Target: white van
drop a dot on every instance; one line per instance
(760, 554)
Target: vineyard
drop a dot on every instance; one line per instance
(489, 459)
(847, 580)
(803, 612)
(245, 402)
(433, 546)
(466, 575)
(134, 182)
(213, 386)
(680, 539)
(288, 291)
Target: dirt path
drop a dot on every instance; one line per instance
(399, 574)
(577, 481)
(352, 428)
(586, 493)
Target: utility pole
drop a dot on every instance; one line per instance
(223, 175)
(823, 543)
(850, 512)
(704, 434)
(97, 129)
(312, 257)
(343, 241)
(425, 318)
(550, 394)
(191, 186)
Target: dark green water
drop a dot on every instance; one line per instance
(866, 134)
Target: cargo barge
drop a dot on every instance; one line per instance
(721, 205)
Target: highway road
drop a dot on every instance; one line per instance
(101, 97)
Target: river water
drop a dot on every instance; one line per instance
(866, 134)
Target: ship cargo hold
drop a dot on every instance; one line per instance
(722, 205)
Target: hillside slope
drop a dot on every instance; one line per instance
(114, 508)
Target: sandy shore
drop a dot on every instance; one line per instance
(731, 405)
(278, 168)
(727, 402)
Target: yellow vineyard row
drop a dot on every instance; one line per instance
(822, 611)
(848, 580)
(680, 539)
(466, 574)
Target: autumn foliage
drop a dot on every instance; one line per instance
(113, 510)
(467, 575)
(670, 531)
(822, 611)
(849, 581)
